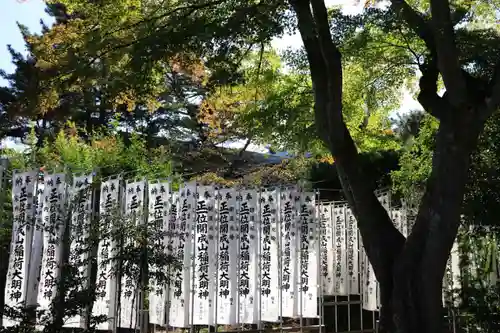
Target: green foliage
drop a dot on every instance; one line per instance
(140, 250)
(416, 162)
(130, 37)
(480, 294)
(482, 199)
(274, 105)
(104, 154)
(376, 164)
(289, 171)
(480, 209)
(481, 204)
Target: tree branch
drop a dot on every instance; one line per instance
(447, 52)
(332, 60)
(153, 17)
(381, 238)
(428, 97)
(317, 66)
(416, 22)
(460, 13)
(494, 101)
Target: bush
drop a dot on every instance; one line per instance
(105, 155)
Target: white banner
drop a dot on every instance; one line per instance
(161, 244)
(369, 285)
(54, 218)
(251, 255)
(309, 252)
(23, 192)
(288, 213)
(249, 230)
(327, 248)
(205, 253)
(81, 218)
(269, 305)
(396, 219)
(129, 292)
(227, 258)
(340, 254)
(385, 199)
(36, 246)
(452, 281)
(172, 248)
(180, 306)
(352, 253)
(404, 222)
(106, 288)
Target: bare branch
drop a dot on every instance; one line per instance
(447, 52)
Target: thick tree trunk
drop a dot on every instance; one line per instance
(412, 301)
(410, 271)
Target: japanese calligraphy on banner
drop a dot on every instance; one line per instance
(404, 222)
(106, 295)
(81, 218)
(54, 206)
(180, 305)
(162, 242)
(36, 245)
(129, 297)
(327, 248)
(269, 305)
(369, 285)
(289, 208)
(23, 192)
(309, 252)
(240, 255)
(227, 254)
(205, 256)
(249, 229)
(180, 309)
(352, 253)
(340, 255)
(172, 248)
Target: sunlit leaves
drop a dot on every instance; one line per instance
(125, 44)
(231, 111)
(416, 162)
(276, 106)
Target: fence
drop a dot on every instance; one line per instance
(153, 258)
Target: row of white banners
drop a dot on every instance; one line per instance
(247, 255)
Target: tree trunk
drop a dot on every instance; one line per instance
(415, 304)
(410, 271)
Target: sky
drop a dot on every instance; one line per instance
(27, 13)
(30, 12)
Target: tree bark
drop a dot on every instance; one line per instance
(410, 271)
(419, 269)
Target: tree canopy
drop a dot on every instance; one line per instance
(203, 71)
